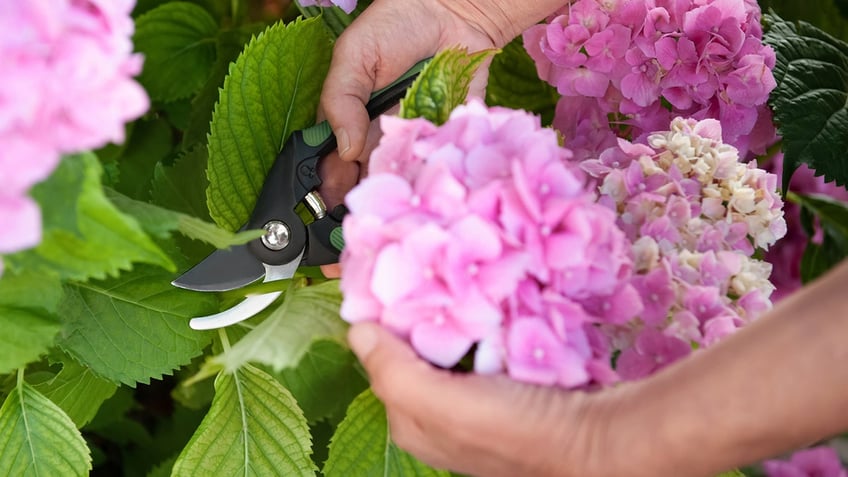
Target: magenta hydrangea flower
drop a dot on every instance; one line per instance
(481, 232)
(67, 87)
(346, 5)
(642, 63)
(694, 214)
(813, 462)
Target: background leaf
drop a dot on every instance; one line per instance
(107, 241)
(134, 327)
(37, 438)
(442, 85)
(178, 43)
(77, 391)
(833, 219)
(28, 302)
(362, 445)
(181, 186)
(810, 102)
(257, 112)
(160, 222)
(282, 339)
(514, 83)
(150, 141)
(254, 427)
(325, 380)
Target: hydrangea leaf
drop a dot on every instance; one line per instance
(442, 85)
(254, 427)
(362, 445)
(228, 45)
(27, 305)
(150, 142)
(160, 222)
(823, 13)
(134, 327)
(108, 241)
(732, 473)
(327, 369)
(514, 83)
(272, 90)
(280, 341)
(37, 438)
(178, 43)
(77, 391)
(182, 186)
(832, 215)
(810, 102)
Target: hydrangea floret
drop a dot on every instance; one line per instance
(624, 69)
(67, 87)
(821, 460)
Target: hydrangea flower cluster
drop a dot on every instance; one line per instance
(67, 87)
(694, 214)
(346, 5)
(626, 68)
(817, 461)
(482, 232)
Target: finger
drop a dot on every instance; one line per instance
(349, 83)
(333, 270)
(337, 178)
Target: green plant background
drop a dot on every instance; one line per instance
(99, 372)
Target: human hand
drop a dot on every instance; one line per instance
(489, 425)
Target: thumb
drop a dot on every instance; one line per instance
(385, 357)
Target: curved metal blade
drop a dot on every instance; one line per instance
(222, 270)
(252, 304)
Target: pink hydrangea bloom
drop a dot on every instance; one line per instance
(67, 87)
(820, 461)
(481, 232)
(693, 213)
(642, 63)
(346, 5)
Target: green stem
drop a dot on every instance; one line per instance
(20, 377)
(225, 340)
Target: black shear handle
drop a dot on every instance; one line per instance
(294, 174)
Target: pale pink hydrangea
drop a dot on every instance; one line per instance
(641, 63)
(480, 232)
(346, 5)
(694, 214)
(66, 86)
(822, 461)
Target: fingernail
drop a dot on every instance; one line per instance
(362, 340)
(342, 141)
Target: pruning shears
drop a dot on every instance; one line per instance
(299, 230)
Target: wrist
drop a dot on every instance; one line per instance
(501, 20)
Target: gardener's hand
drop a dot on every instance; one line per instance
(391, 36)
(488, 426)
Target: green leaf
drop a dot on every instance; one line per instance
(178, 43)
(254, 427)
(28, 302)
(442, 85)
(362, 445)
(810, 102)
(514, 83)
(334, 18)
(134, 327)
(833, 218)
(150, 142)
(182, 185)
(38, 439)
(825, 14)
(732, 473)
(77, 391)
(228, 46)
(160, 222)
(280, 341)
(325, 380)
(272, 90)
(107, 242)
